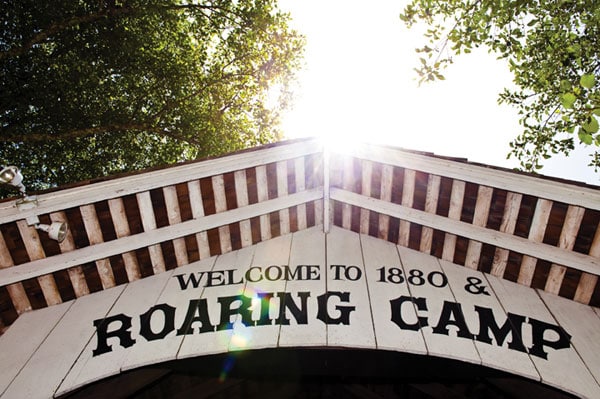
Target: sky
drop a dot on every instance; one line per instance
(358, 85)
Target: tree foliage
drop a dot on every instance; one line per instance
(90, 88)
(552, 48)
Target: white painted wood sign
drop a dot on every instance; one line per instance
(307, 289)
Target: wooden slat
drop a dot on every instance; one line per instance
(262, 189)
(46, 368)
(241, 195)
(149, 223)
(505, 180)
(24, 337)
(74, 197)
(536, 234)
(343, 248)
(588, 281)
(282, 190)
(307, 248)
(94, 234)
(431, 201)
(300, 179)
(367, 172)
(218, 186)
(508, 224)
(174, 217)
(151, 237)
(387, 174)
(521, 245)
(197, 208)
(482, 211)
(379, 255)
(457, 196)
(408, 194)
(347, 184)
(76, 275)
(121, 224)
(16, 291)
(35, 251)
(566, 241)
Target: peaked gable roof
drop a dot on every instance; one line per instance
(538, 232)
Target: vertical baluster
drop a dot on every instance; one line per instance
(197, 208)
(536, 234)
(149, 223)
(508, 224)
(480, 217)
(431, 202)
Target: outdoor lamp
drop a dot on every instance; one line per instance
(12, 175)
(56, 231)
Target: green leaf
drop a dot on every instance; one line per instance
(588, 81)
(585, 138)
(591, 126)
(568, 100)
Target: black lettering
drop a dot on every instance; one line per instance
(539, 329)
(230, 277)
(243, 309)
(323, 314)
(299, 313)
(218, 276)
(452, 314)
(512, 325)
(265, 302)
(197, 312)
(249, 274)
(122, 333)
(168, 325)
(277, 274)
(312, 272)
(191, 279)
(396, 307)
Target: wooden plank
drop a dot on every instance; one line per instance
(262, 189)
(76, 276)
(218, 185)
(282, 190)
(584, 326)
(408, 194)
(387, 174)
(431, 202)
(121, 225)
(300, 179)
(518, 244)
(137, 297)
(344, 255)
(197, 209)
(120, 187)
(323, 211)
(241, 194)
(307, 248)
(94, 234)
(35, 251)
(20, 341)
(367, 172)
(482, 211)
(151, 237)
(347, 184)
(218, 341)
(274, 252)
(174, 217)
(16, 291)
(563, 368)
(62, 347)
(567, 238)
(151, 352)
(417, 267)
(588, 281)
(149, 223)
(381, 259)
(454, 211)
(536, 234)
(471, 290)
(508, 224)
(505, 180)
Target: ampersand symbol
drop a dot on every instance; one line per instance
(475, 287)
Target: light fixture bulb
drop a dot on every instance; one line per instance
(56, 231)
(12, 175)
